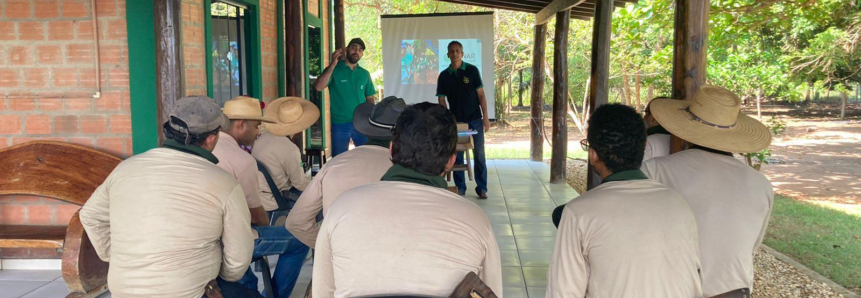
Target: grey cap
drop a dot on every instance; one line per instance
(197, 114)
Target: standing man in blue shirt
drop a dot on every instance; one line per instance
(460, 83)
(349, 86)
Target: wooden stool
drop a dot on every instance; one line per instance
(465, 145)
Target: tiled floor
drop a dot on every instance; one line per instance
(521, 201)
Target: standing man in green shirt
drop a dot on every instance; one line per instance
(349, 86)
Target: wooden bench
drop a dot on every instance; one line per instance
(65, 172)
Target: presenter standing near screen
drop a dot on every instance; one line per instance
(460, 83)
(349, 86)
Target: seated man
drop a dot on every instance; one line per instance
(278, 153)
(132, 218)
(365, 164)
(630, 236)
(731, 201)
(658, 141)
(245, 117)
(407, 235)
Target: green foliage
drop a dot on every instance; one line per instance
(757, 159)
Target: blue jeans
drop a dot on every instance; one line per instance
(291, 255)
(341, 135)
(478, 158)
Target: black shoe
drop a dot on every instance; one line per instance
(482, 194)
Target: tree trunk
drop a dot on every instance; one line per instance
(809, 86)
(626, 99)
(758, 109)
(650, 94)
(637, 85)
(520, 89)
(828, 95)
(843, 105)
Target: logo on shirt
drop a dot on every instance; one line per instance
(465, 80)
(343, 81)
(362, 87)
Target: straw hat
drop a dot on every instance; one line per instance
(292, 115)
(245, 108)
(712, 119)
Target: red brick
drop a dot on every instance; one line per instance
(93, 124)
(65, 212)
(113, 54)
(37, 124)
(12, 214)
(79, 104)
(84, 30)
(10, 124)
(129, 150)
(79, 53)
(8, 78)
(7, 31)
(65, 124)
(112, 146)
(116, 30)
(47, 9)
(20, 55)
(4, 142)
(50, 104)
(22, 104)
(121, 124)
(106, 8)
(118, 77)
(49, 55)
(40, 214)
(22, 140)
(65, 77)
(61, 30)
(88, 142)
(26, 199)
(110, 101)
(15, 253)
(17, 9)
(75, 9)
(31, 31)
(88, 76)
(5, 198)
(35, 77)
(54, 139)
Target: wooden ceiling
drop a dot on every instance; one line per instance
(583, 11)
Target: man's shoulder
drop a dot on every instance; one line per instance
(470, 67)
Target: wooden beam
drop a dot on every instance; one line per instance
(553, 8)
(293, 38)
(599, 91)
(516, 6)
(340, 41)
(559, 156)
(168, 53)
(689, 52)
(536, 102)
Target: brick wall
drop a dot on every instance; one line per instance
(47, 83)
(269, 47)
(193, 50)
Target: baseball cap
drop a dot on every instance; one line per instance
(358, 41)
(195, 115)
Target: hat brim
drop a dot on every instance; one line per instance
(309, 116)
(747, 136)
(364, 127)
(263, 119)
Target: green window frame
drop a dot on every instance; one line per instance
(253, 55)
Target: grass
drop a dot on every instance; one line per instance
(518, 151)
(823, 239)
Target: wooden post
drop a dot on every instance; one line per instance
(599, 91)
(689, 55)
(520, 89)
(536, 102)
(559, 157)
(340, 41)
(168, 42)
(293, 37)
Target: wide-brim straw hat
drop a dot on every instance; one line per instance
(712, 119)
(245, 108)
(376, 121)
(292, 115)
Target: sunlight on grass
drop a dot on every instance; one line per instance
(825, 240)
(520, 150)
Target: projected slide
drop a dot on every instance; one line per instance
(419, 59)
(471, 52)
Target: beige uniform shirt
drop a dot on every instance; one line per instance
(634, 238)
(240, 164)
(657, 145)
(169, 222)
(284, 161)
(362, 165)
(732, 203)
(403, 238)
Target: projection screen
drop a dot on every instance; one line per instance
(415, 47)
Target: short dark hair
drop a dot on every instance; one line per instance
(184, 138)
(424, 138)
(618, 134)
(454, 42)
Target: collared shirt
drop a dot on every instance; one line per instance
(395, 237)
(348, 88)
(362, 165)
(628, 237)
(284, 162)
(240, 164)
(460, 86)
(732, 203)
(169, 221)
(657, 143)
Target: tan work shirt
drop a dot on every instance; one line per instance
(732, 203)
(284, 161)
(240, 164)
(634, 238)
(169, 222)
(362, 165)
(403, 238)
(657, 145)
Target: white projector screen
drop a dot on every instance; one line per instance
(415, 52)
